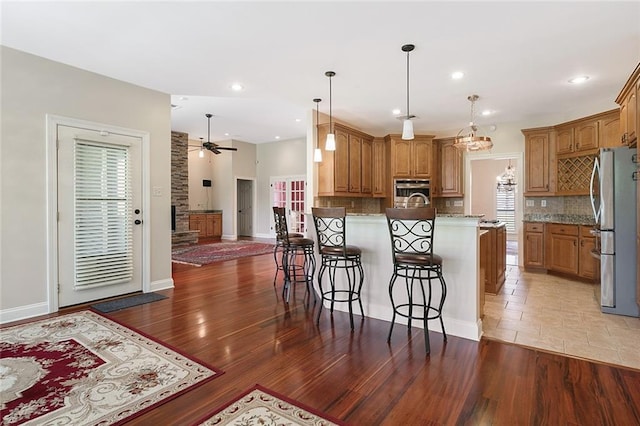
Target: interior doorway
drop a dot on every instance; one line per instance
(244, 191)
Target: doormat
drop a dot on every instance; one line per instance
(85, 369)
(261, 406)
(127, 302)
(203, 254)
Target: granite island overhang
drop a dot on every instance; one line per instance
(456, 240)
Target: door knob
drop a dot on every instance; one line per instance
(137, 211)
(137, 221)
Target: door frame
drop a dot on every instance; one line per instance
(52, 123)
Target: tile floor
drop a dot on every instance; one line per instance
(560, 315)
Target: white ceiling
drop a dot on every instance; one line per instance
(517, 56)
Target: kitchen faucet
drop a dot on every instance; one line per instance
(416, 194)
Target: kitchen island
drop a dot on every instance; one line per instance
(455, 240)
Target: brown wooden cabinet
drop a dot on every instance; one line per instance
(533, 245)
(379, 168)
(413, 158)
(610, 130)
(629, 109)
(564, 140)
(578, 137)
(588, 266)
(208, 224)
(347, 171)
(449, 182)
(496, 258)
(561, 248)
(538, 145)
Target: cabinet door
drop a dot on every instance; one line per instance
(562, 253)
(401, 158)
(623, 123)
(379, 175)
(564, 141)
(326, 170)
(365, 165)
(631, 117)
(586, 136)
(216, 228)
(341, 162)
(588, 267)
(422, 158)
(355, 159)
(610, 132)
(501, 255)
(451, 171)
(534, 250)
(537, 162)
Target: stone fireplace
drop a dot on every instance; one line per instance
(180, 233)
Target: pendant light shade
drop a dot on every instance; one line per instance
(470, 138)
(317, 153)
(330, 144)
(201, 153)
(407, 124)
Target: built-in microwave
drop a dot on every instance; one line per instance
(411, 192)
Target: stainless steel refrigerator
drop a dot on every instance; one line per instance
(613, 198)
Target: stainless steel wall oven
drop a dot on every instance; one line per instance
(411, 192)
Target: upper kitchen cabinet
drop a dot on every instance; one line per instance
(449, 180)
(538, 156)
(411, 158)
(610, 129)
(347, 170)
(577, 137)
(379, 168)
(629, 109)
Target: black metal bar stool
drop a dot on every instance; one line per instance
(293, 246)
(335, 254)
(411, 232)
(280, 241)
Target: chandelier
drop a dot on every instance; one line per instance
(507, 180)
(469, 138)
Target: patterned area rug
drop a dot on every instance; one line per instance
(84, 369)
(204, 254)
(260, 406)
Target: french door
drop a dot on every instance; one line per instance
(99, 215)
(289, 192)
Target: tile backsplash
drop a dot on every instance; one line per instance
(573, 205)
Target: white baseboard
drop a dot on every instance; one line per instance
(264, 236)
(23, 312)
(161, 284)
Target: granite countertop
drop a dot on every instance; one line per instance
(569, 219)
(204, 211)
(491, 224)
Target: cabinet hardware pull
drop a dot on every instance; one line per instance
(634, 176)
(634, 158)
(574, 243)
(578, 146)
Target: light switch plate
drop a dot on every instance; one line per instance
(543, 203)
(530, 203)
(157, 191)
(458, 203)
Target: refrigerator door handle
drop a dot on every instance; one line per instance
(595, 173)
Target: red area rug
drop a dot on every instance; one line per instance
(84, 369)
(204, 254)
(261, 406)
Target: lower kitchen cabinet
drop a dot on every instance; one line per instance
(209, 224)
(534, 245)
(561, 246)
(495, 264)
(588, 266)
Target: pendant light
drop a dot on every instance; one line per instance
(201, 153)
(407, 124)
(468, 138)
(330, 144)
(317, 153)
(507, 180)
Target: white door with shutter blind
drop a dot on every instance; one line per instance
(99, 215)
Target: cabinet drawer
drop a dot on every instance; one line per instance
(561, 229)
(534, 227)
(585, 231)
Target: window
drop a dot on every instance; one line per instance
(289, 192)
(506, 208)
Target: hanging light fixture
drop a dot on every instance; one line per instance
(407, 124)
(317, 153)
(330, 144)
(468, 138)
(201, 153)
(507, 180)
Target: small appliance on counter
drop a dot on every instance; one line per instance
(411, 192)
(613, 198)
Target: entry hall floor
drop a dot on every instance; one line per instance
(560, 315)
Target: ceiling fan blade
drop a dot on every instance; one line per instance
(226, 148)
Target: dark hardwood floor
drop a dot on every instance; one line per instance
(230, 316)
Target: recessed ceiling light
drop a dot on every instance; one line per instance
(396, 111)
(184, 98)
(487, 112)
(226, 134)
(277, 137)
(579, 79)
(457, 75)
(298, 120)
(237, 87)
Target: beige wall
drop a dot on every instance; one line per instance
(33, 87)
(483, 186)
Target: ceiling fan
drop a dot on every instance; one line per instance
(211, 146)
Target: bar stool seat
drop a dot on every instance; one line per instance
(411, 231)
(335, 255)
(293, 246)
(278, 248)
